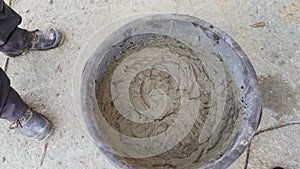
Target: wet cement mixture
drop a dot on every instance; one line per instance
(159, 84)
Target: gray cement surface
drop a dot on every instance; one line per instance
(44, 79)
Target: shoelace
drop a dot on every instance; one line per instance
(17, 123)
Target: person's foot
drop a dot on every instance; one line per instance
(46, 39)
(39, 40)
(33, 125)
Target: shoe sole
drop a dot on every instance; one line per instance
(62, 39)
(15, 54)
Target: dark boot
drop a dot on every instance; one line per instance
(22, 41)
(33, 125)
(47, 39)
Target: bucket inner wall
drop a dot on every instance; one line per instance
(171, 91)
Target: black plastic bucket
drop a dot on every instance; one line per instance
(187, 37)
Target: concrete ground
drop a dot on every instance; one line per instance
(44, 79)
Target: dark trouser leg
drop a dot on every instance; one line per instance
(18, 41)
(12, 106)
(9, 21)
(13, 40)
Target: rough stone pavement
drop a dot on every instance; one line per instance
(44, 79)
